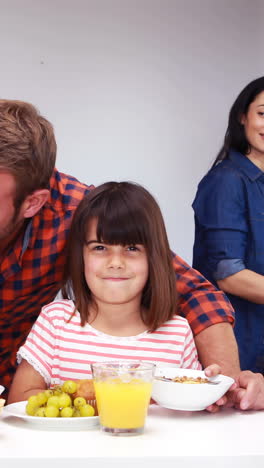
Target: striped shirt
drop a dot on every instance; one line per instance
(60, 349)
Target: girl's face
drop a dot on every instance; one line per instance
(115, 274)
(253, 123)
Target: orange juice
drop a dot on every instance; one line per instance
(122, 405)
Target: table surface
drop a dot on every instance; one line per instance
(171, 438)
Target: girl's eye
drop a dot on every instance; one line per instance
(132, 248)
(99, 247)
(261, 114)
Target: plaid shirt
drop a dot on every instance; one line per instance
(31, 275)
(199, 301)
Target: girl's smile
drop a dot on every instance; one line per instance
(113, 278)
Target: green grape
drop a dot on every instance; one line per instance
(57, 402)
(79, 401)
(57, 390)
(52, 412)
(42, 398)
(53, 401)
(31, 410)
(33, 401)
(41, 412)
(86, 410)
(69, 386)
(64, 400)
(66, 412)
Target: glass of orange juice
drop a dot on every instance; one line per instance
(123, 391)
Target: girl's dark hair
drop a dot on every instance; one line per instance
(235, 135)
(126, 214)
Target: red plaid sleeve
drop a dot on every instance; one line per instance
(199, 301)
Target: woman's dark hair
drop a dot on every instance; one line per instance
(126, 214)
(235, 135)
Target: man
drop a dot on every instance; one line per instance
(36, 207)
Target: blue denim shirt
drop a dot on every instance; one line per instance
(229, 236)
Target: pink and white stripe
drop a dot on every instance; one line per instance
(60, 350)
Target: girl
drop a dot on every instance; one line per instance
(229, 220)
(120, 300)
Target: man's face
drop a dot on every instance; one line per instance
(10, 220)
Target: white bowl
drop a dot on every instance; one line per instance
(2, 402)
(193, 397)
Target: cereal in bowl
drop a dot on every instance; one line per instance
(190, 380)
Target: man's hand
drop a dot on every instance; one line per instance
(246, 393)
(212, 371)
(249, 391)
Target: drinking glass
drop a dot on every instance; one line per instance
(123, 391)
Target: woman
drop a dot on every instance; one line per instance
(229, 222)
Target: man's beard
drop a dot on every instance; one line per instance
(12, 230)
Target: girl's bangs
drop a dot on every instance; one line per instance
(119, 225)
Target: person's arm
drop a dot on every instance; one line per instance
(246, 284)
(27, 381)
(199, 300)
(217, 344)
(211, 316)
(247, 393)
(222, 219)
(222, 225)
(35, 357)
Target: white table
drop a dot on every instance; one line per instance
(172, 439)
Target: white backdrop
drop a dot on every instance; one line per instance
(136, 89)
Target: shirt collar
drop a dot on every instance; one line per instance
(245, 165)
(26, 238)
